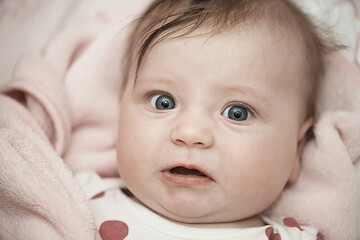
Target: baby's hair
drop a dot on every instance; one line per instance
(175, 18)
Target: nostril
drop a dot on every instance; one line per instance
(179, 142)
(182, 142)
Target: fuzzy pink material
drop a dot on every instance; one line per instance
(61, 106)
(57, 108)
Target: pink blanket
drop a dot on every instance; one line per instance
(58, 116)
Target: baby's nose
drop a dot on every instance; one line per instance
(191, 133)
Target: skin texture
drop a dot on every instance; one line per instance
(247, 163)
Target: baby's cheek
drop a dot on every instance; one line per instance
(128, 171)
(255, 184)
(126, 158)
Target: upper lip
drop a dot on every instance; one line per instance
(188, 166)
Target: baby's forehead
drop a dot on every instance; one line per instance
(264, 47)
(254, 52)
(261, 37)
(286, 33)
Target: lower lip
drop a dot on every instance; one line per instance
(185, 180)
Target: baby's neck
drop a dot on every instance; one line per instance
(255, 221)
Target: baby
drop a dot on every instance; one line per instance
(215, 110)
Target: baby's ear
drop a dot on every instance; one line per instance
(303, 133)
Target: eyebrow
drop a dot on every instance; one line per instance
(245, 91)
(153, 80)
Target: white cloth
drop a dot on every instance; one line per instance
(118, 216)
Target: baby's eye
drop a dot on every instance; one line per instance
(162, 102)
(236, 113)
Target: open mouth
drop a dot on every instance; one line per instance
(186, 176)
(186, 171)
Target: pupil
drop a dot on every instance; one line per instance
(165, 103)
(237, 113)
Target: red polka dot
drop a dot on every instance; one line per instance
(113, 230)
(271, 235)
(290, 222)
(319, 237)
(100, 195)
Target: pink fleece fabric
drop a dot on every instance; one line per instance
(58, 116)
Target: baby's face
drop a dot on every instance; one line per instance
(210, 130)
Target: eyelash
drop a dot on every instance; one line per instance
(240, 104)
(149, 95)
